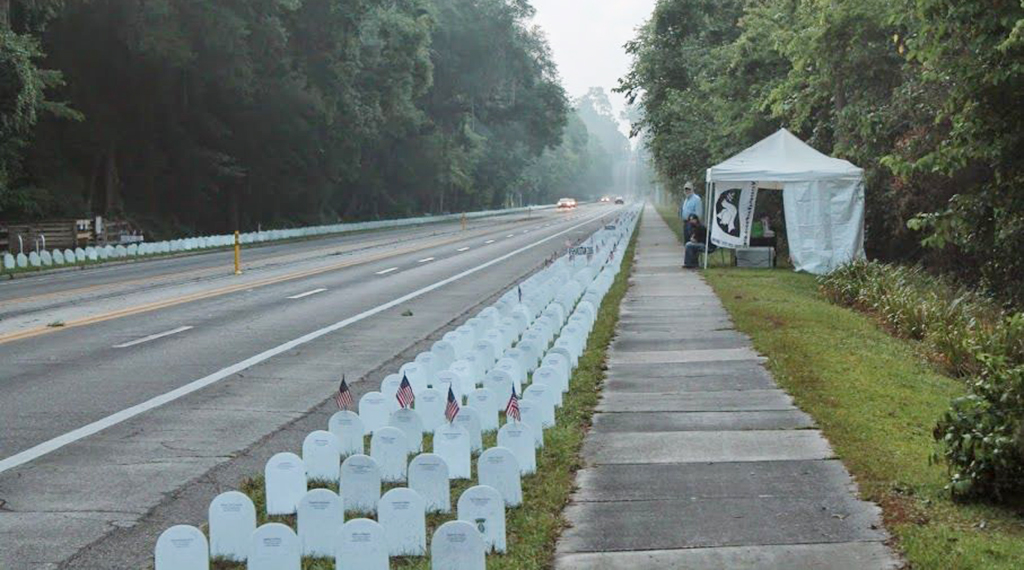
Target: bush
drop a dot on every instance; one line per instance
(972, 337)
(982, 438)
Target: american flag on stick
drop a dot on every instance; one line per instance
(344, 396)
(404, 394)
(512, 409)
(452, 409)
(520, 289)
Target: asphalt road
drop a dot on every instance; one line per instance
(161, 371)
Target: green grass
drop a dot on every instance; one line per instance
(533, 528)
(876, 398)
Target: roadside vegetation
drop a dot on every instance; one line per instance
(208, 116)
(923, 94)
(532, 528)
(877, 399)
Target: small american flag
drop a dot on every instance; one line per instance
(520, 288)
(404, 394)
(452, 409)
(512, 409)
(344, 396)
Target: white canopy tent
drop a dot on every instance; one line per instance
(823, 198)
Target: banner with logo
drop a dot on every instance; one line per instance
(733, 214)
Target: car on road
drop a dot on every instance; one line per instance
(566, 203)
(620, 200)
(605, 200)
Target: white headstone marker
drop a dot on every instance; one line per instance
(484, 507)
(285, 482)
(428, 476)
(451, 442)
(532, 414)
(182, 547)
(360, 484)
(320, 516)
(498, 468)
(361, 545)
(430, 406)
(374, 410)
(232, 520)
(274, 546)
(402, 514)
(321, 454)
(518, 438)
(469, 420)
(389, 447)
(486, 402)
(457, 545)
(543, 396)
(348, 428)
(409, 422)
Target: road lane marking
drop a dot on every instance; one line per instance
(510, 236)
(489, 241)
(462, 249)
(388, 270)
(126, 414)
(147, 307)
(307, 293)
(153, 337)
(426, 260)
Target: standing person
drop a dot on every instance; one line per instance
(692, 206)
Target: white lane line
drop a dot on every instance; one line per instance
(426, 260)
(60, 441)
(462, 249)
(307, 293)
(152, 337)
(489, 241)
(388, 270)
(510, 235)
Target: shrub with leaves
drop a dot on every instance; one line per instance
(982, 435)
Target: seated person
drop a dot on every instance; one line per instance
(694, 247)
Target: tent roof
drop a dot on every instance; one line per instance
(782, 157)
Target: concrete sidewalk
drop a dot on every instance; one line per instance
(697, 459)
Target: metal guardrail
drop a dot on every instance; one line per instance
(38, 259)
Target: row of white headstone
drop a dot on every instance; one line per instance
(502, 347)
(57, 257)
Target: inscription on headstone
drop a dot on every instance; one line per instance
(483, 507)
(285, 483)
(232, 520)
(428, 476)
(360, 484)
(182, 547)
(402, 514)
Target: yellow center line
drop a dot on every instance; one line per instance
(156, 305)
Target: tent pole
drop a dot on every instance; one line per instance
(707, 222)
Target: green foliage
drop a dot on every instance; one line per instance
(213, 114)
(981, 435)
(923, 94)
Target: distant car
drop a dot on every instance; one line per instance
(566, 204)
(620, 200)
(605, 199)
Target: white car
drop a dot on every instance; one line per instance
(566, 204)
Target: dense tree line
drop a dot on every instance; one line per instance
(926, 95)
(191, 115)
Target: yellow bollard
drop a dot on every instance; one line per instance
(463, 221)
(238, 254)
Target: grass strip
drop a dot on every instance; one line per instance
(533, 528)
(876, 398)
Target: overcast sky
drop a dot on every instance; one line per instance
(586, 38)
